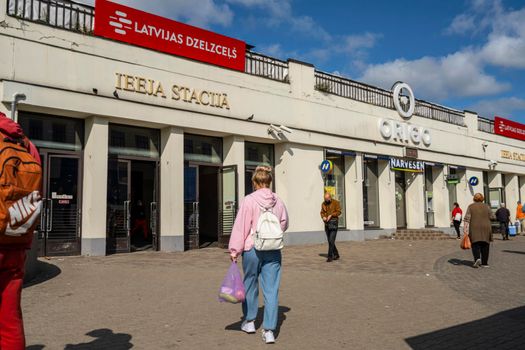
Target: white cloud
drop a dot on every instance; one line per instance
(204, 14)
(461, 24)
(506, 107)
(457, 75)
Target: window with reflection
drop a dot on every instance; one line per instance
(256, 154)
(205, 149)
(134, 141)
(48, 131)
(334, 183)
(371, 192)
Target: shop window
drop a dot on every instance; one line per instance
(256, 154)
(203, 149)
(134, 141)
(429, 196)
(451, 186)
(47, 131)
(334, 183)
(371, 193)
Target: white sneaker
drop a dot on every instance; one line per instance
(248, 327)
(477, 263)
(268, 337)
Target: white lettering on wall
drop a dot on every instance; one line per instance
(404, 132)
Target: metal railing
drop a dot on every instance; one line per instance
(354, 90)
(486, 125)
(64, 14)
(265, 66)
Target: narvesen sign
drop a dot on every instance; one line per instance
(414, 166)
(122, 23)
(509, 128)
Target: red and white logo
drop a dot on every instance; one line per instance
(120, 22)
(24, 213)
(509, 128)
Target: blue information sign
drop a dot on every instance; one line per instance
(326, 166)
(473, 181)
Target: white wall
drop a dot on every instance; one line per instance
(512, 193)
(442, 211)
(234, 155)
(354, 192)
(387, 196)
(415, 200)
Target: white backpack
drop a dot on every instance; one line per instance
(268, 234)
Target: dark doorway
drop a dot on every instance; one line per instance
(401, 216)
(209, 205)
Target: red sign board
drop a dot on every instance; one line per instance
(509, 128)
(122, 23)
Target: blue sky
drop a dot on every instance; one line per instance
(467, 54)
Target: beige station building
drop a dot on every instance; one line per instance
(146, 150)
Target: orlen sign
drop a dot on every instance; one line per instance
(509, 128)
(122, 23)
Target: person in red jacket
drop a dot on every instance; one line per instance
(457, 217)
(12, 267)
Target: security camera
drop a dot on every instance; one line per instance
(484, 145)
(493, 163)
(284, 128)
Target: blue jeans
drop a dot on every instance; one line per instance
(267, 264)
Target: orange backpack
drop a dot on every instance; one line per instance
(20, 198)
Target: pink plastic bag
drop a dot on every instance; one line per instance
(232, 288)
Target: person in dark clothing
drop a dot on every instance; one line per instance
(330, 212)
(457, 217)
(503, 217)
(139, 219)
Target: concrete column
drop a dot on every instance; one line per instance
(415, 200)
(354, 192)
(441, 198)
(471, 121)
(300, 185)
(387, 196)
(172, 190)
(94, 189)
(302, 78)
(512, 193)
(234, 155)
(462, 190)
(522, 188)
(3, 10)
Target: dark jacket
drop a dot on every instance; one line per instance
(503, 215)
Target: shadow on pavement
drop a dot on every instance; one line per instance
(46, 271)
(35, 347)
(504, 330)
(258, 321)
(513, 251)
(104, 339)
(461, 262)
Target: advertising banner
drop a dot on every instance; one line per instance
(509, 128)
(122, 23)
(414, 166)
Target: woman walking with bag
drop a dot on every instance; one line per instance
(261, 214)
(479, 228)
(457, 216)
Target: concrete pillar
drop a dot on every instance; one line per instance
(440, 198)
(415, 200)
(354, 192)
(522, 188)
(95, 183)
(172, 190)
(233, 147)
(387, 196)
(512, 193)
(462, 189)
(300, 185)
(3, 10)
(471, 121)
(302, 78)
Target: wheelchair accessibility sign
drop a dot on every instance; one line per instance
(327, 167)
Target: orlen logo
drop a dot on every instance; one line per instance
(120, 22)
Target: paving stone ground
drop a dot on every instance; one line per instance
(383, 294)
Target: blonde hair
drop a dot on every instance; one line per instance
(478, 197)
(262, 176)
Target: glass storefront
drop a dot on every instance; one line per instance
(371, 192)
(134, 141)
(256, 154)
(47, 131)
(429, 196)
(334, 183)
(203, 149)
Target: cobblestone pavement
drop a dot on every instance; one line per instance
(382, 294)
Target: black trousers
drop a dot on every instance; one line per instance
(456, 226)
(504, 229)
(331, 235)
(480, 250)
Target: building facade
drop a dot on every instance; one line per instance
(144, 149)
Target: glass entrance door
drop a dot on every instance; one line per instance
(119, 206)
(400, 199)
(59, 229)
(191, 206)
(227, 203)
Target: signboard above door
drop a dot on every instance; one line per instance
(414, 166)
(126, 24)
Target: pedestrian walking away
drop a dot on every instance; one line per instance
(260, 211)
(330, 212)
(457, 217)
(20, 205)
(503, 217)
(479, 228)
(520, 216)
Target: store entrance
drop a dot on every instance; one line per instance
(132, 207)
(210, 203)
(59, 228)
(401, 216)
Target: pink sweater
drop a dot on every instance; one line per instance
(246, 221)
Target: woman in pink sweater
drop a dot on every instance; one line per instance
(267, 264)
